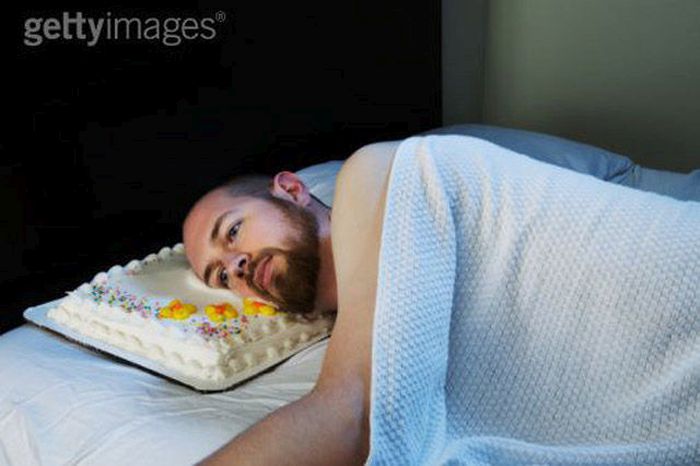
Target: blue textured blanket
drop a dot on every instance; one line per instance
(530, 315)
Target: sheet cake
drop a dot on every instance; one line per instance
(159, 310)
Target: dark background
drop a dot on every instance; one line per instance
(103, 149)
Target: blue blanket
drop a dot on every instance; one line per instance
(528, 314)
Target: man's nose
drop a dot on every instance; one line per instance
(238, 264)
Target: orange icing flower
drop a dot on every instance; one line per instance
(177, 310)
(252, 307)
(221, 312)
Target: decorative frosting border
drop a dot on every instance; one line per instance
(135, 266)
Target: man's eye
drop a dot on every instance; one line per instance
(223, 277)
(233, 231)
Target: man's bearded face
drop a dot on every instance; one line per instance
(262, 248)
(294, 288)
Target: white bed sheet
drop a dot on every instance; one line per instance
(64, 404)
(61, 403)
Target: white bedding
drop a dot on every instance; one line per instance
(554, 318)
(61, 403)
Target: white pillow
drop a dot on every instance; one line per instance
(320, 179)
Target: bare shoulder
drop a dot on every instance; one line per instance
(369, 164)
(356, 222)
(359, 201)
(358, 209)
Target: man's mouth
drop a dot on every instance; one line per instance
(263, 273)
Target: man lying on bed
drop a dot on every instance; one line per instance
(285, 246)
(277, 244)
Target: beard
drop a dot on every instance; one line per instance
(293, 289)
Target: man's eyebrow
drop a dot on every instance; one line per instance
(207, 272)
(217, 225)
(212, 238)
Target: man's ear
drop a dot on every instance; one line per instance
(286, 185)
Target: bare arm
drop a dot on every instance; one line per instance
(316, 429)
(330, 425)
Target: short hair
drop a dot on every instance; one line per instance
(253, 185)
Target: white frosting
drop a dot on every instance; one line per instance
(121, 308)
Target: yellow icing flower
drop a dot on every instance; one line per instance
(220, 312)
(250, 310)
(252, 307)
(177, 310)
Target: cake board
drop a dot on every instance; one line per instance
(37, 315)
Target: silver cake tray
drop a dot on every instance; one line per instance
(38, 316)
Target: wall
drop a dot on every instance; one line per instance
(463, 33)
(621, 74)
